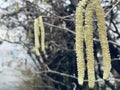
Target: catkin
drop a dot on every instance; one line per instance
(103, 38)
(79, 41)
(17, 7)
(42, 34)
(89, 45)
(36, 34)
(44, 1)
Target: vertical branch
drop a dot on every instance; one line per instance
(89, 45)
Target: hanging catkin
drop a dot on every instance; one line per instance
(36, 34)
(44, 1)
(79, 41)
(16, 7)
(103, 38)
(89, 45)
(42, 34)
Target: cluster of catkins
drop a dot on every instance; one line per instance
(84, 32)
(39, 34)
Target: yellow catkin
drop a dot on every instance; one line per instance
(79, 41)
(36, 34)
(42, 34)
(17, 7)
(44, 1)
(37, 51)
(89, 45)
(103, 38)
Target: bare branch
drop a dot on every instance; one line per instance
(60, 27)
(111, 8)
(73, 77)
(58, 73)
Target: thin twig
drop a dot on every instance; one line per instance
(115, 59)
(74, 77)
(71, 31)
(55, 81)
(59, 27)
(97, 40)
(111, 8)
(58, 73)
